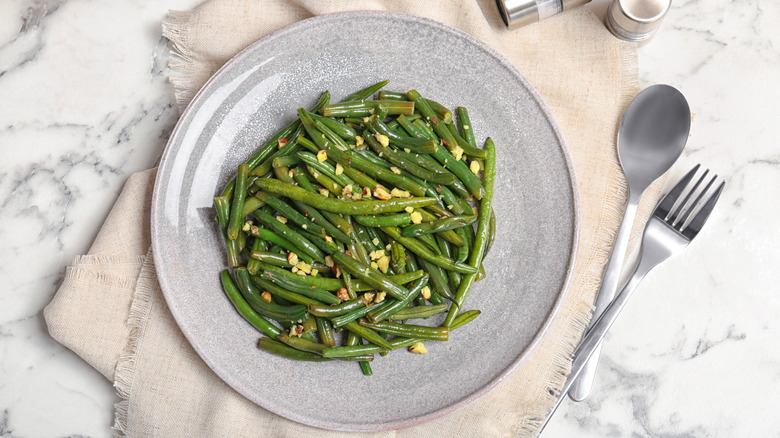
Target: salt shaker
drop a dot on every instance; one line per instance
(517, 13)
(636, 20)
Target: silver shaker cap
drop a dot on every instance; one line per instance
(636, 20)
(517, 13)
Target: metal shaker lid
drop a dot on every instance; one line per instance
(636, 20)
(517, 13)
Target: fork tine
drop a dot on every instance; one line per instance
(698, 221)
(673, 217)
(680, 222)
(665, 207)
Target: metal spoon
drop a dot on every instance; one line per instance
(651, 137)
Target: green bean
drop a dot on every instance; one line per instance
(492, 232)
(438, 225)
(283, 293)
(464, 122)
(398, 256)
(250, 205)
(443, 113)
(285, 148)
(362, 108)
(406, 164)
(236, 220)
(326, 168)
(467, 148)
(352, 315)
(312, 347)
(325, 329)
(286, 161)
(292, 285)
(436, 173)
(367, 334)
(288, 233)
(283, 350)
(481, 238)
(408, 330)
(340, 206)
(258, 245)
(244, 309)
(325, 181)
(351, 160)
(464, 318)
(365, 93)
(416, 247)
(419, 145)
(284, 243)
(330, 135)
(391, 95)
(372, 157)
(403, 278)
(447, 250)
(271, 258)
(341, 129)
(387, 310)
(388, 220)
(370, 276)
(329, 284)
(322, 310)
(419, 312)
(458, 167)
(352, 350)
(221, 204)
(263, 307)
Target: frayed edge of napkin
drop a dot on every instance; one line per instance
(186, 75)
(90, 259)
(74, 273)
(140, 309)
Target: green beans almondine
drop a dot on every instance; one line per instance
(328, 224)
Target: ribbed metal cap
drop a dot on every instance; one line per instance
(636, 20)
(517, 13)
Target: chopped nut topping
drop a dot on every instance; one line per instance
(281, 142)
(339, 169)
(322, 156)
(426, 292)
(380, 296)
(254, 230)
(367, 298)
(314, 272)
(291, 173)
(457, 152)
(466, 127)
(343, 294)
(281, 219)
(292, 258)
(247, 226)
(381, 193)
(357, 196)
(347, 190)
(305, 227)
(327, 238)
(375, 241)
(416, 217)
(474, 167)
(296, 330)
(359, 141)
(395, 170)
(294, 269)
(376, 255)
(303, 266)
(388, 247)
(375, 265)
(383, 264)
(329, 261)
(366, 119)
(409, 210)
(324, 192)
(266, 296)
(398, 193)
(408, 151)
(418, 348)
(382, 139)
(366, 192)
(336, 271)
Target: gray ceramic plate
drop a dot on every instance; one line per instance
(255, 94)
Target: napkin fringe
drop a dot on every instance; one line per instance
(76, 274)
(140, 309)
(90, 259)
(183, 62)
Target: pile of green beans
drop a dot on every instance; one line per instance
(359, 217)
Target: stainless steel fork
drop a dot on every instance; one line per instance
(668, 231)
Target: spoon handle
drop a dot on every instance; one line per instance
(581, 387)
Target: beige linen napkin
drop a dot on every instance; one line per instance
(110, 309)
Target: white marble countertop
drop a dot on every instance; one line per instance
(84, 103)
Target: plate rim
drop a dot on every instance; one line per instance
(571, 262)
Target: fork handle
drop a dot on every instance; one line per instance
(651, 256)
